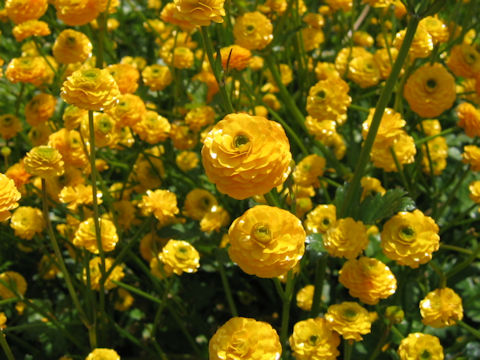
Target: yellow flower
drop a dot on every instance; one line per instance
(328, 100)
(441, 308)
(157, 77)
(151, 245)
(235, 57)
(371, 186)
(409, 238)
(308, 170)
(20, 11)
(44, 161)
(363, 70)
(200, 117)
(103, 354)
(126, 76)
(116, 274)
(198, 203)
(253, 31)
(3, 321)
(266, 241)
(436, 28)
(394, 314)
(368, 279)
(182, 58)
(438, 152)
(324, 70)
(148, 173)
(27, 221)
(47, 268)
(78, 12)
(420, 346)
(390, 126)
(17, 173)
(162, 203)
(246, 155)
(469, 119)
(187, 160)
(27, 69)
(71, 47)
(91, 89)
(430, 90)
(201, 13)
(129, 110)
(471, 156)
(170, 14)
(349, 319)
(124, 300)
(345, 5)
(85, 235)
(69, 144)
(183, 138)
(78, 194)
(305, 297)
(11, 283)
(382, 58)
(40, 109)
(378, 3)
(215, 219)
(73, 117)
(464, 60)
(320, 219)
(347, 238)
(474, 188)
(179, 256)
(403, 146)
(152, 127)
(10, 126)
(30, 28)
(244, 339)
(312, 339)
(422, 44)
(430, 127)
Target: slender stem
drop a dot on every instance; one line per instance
(5, 347)
(347, 349)
(470, 329)
(456, 248)
(352, 192)
(465, 263)
(380, 343)
(138, 292)
(359, 108)
(58, 255)
(320, 268)
(19, 99)
(226, 286)
(453, 193)
(440, 273)
(401, 172)
(207, 44)
(286, 312)
(428, 138)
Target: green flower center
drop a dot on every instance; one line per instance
(425, 355)
(240, 140)
(350, 314)
(431, 84)
(249, 28)
(261, 233)
(407, 234)
(182, 253)
(313, 339)
(321, 95)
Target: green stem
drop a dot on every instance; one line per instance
(440, 273)
(347, 349)
(19, 99)
(207, 44)
(320, 268)
(452, 194)
(399, 167)
(465, 263)
(456, 248)
(359, 108)
(380, 343)
(428, 138)
(470, 329)
(5, 347)
(226, 286)
(286, 312)
(58, 255)
(353, 190)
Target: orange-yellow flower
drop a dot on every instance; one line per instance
(161, 203)
(349, 319)
(10, 126)
(27, 69)
(244, 339)
(20, 10)
(410, 238)
(152, 127)
(129, 110)
(126, 76)
(253, 31)
(201, 13)
(420, 346)
(177, 256)
(157, 77)
(266, 241)
(471, 156)
(27, 221)
(464, 60)
(346, 238)
(430, 90)
(91, 89)
(40, 109)
(11, 282)
(71, 47)
(320, 219)
(422, 44)
(44, 161)
(116, 274)
(328, 100)
(246, 155)
(235, 57)
(30, 28)
(469, 119)
(79, 12)
(441, 308)
(308, 170)
(305, 297)
(103, 354)
(85, 235)
(9, 196)
(199, 117)
(474, 189)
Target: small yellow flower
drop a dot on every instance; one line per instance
(246, 155)
(3, 321)
(385, 60)
(308, 170)
(72, 47)
(471, 156)
(305, 297)
(320, 219)
(78, 194)
(177, 256)
(335, 5)
(126, 76)
(438, 153)
(30, 28)
(403, 146)
(430, 90)
(182, 58)
(162, 203)
(346, 238)
(390, 127)
(69, 144)
(201, 13)
(187, 160)
(85, 235)
(441, 308)
(437, 29)
(44, 161)
(116, 274)
(371, 186)
(152, 127)
(410, 238)
(328, 100)
(244, 339)
(103, 354)
(420, 346)
(27, 221)
(469, 119)
(129, 110)
(27, 69)
(253, 31)
(266, 241)
(349, 319)
(200, 117)
(47, 268)
(198, 203)
(312, 38)
(157, 77)
(363, 70)
(151, 245)
(11, 283)
(20, 11)
(215, 219)
(10, 126)
(91, 89)
(368, 279)
(79, 12)
(40, 108)
(474, 188)
(124, 301)
(170, 14)
(430, 127)
(312, 339)
(422, 44)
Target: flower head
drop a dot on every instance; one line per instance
(30, 28)
(244, 339)
(10, 126)
(328, 100)
(253, 31)
(152, 127)
(266, 241)
(469, 119)
(464, 60)
(71, 47)
(349, 319)
(103, 354)
(96, 274)
(85, 235)
(79, 12)
(40, 108)
(11, 283)
(471, 156)
(441, 308)
(201, 13)
(320, 219)
(308, 170)
(20, 11)
(44, 161)
(305, 297)
(420, 346)
(177, 256)
(27, 221)
(347, 238)
(157, 77)
(474, 188)
(162, 203)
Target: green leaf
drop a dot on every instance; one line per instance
(376, 208)
(315, 244)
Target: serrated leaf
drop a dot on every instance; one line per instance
(376, 208)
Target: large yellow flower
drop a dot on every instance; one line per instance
(441, 308)
(91, 89)
(347, 238)
(85, 235)
(312, 339)
(71, 47)
(30, 28)
(349, 319)
(410, 238)
(21, 10)
(201, 12)
(245, 339)
(266, 241)
(246, 155)
(44, 161)
(9, 195)
(27, 69)
(430, 90)
(27, 221)
(420, 346)
(368, 279)
(253, 31)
